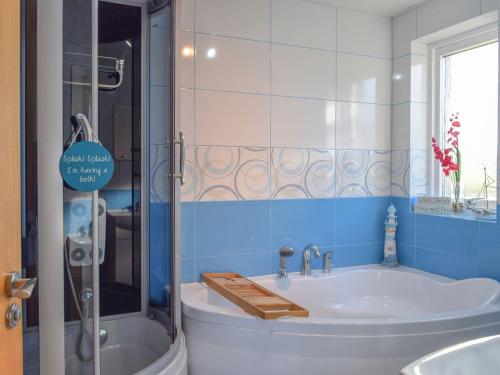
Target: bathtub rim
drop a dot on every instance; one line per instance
(194, 308)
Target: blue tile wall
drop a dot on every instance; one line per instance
(447, 246)
(359, 254)
(245, 236)
(231, 228)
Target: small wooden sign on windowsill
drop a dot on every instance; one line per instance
(433, 205)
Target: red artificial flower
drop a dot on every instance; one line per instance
(448, 157)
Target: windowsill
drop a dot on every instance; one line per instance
(465, 215)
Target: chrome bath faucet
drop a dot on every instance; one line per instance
(306, 259)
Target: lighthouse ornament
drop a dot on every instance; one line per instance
(391, 223)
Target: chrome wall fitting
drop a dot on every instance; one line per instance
(327, 262)
(285, 252)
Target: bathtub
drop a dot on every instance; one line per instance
(363, 320)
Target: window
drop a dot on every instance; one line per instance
(467, 72)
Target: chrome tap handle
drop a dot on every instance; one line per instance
(285, 252)
(327, 262)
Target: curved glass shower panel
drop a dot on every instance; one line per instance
(120, 131)
(78, 281)
(119, 90)
(161, 206)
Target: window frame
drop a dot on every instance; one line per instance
(436, 52)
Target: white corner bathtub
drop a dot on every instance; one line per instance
(363, 320)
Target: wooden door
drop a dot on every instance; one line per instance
(11, 350)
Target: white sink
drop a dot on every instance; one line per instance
(479, 356)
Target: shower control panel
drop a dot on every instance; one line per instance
(79, 244)
(80, 250)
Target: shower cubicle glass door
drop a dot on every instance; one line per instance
(115, 258)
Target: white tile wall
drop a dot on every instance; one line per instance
(303, 23)
(435, 15)
(363, 79)
(302, 173)
(185, 113)
(419, 137)
(364, 34)
(419, 78)
(231, 119)
(401, 126)
(302, 123)
(363, 173)
(229, 173)
(363, 126)
(237, 18)
(400, 165)
(410, 79)
(303, 72)
(401, 80)
(404, 29)
(255, 77)
(184, 68)
(410, 126)
(231, 64)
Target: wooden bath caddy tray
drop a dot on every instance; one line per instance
(251, 297)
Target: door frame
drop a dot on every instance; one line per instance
(11, 350)
(50, 186)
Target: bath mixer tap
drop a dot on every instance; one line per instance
(285, 252)
(306, 259)
(327, 262)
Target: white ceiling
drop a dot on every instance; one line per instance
(387, 8)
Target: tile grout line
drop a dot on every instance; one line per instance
(311, 98)
(337, 51)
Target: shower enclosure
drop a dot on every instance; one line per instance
(108, 299)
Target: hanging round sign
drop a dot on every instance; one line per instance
(86, 166)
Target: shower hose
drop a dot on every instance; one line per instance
(83, 312)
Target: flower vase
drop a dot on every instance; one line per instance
(457, 205)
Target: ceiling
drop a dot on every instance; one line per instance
(388, 8)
